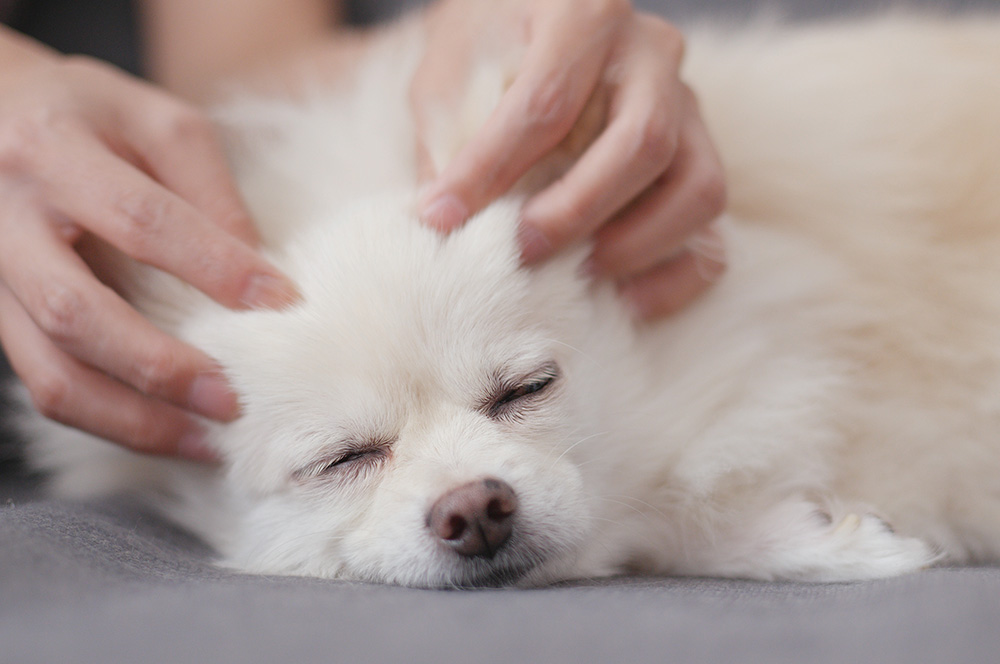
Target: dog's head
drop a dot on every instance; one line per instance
(413, 420)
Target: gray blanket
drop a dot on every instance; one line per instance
(108, 582)
(111, 582)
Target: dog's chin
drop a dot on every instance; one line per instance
(497, 577)
(514, 565)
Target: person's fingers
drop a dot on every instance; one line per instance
(656, 225)
(89, 321)
(560, 70)
(155, 226)
(69, 392)
(173, 142)
(180, 148)
(671, 286)
(633, 151)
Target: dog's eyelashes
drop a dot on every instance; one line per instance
(532, 385)
(347, 459)
(350, 464)
(524, 390)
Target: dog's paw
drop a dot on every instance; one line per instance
(858, 545)
(799, 541)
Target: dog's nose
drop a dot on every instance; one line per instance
(476, 518)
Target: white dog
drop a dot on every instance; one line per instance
(435, 414)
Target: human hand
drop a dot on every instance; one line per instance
(90, 156)
(645, 190)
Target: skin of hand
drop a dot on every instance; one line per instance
(646, 189)
(93, 159)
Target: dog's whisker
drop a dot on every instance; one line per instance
(646, 535)
(587, 462)
(577, 443)
(583, 354)
(644, 503)
(622, 503)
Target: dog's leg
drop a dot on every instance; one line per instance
(800, 540)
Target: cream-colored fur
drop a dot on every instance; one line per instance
(843, 376)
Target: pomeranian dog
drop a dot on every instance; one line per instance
(436, 414)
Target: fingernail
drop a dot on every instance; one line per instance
(534, 244)
(267, 291)
(194, 446)
(445, 213)
(210, 395)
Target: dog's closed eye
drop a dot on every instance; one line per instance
(347, 464)
(509, 397)
(349, 458)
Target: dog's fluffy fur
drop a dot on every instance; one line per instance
(843, 376)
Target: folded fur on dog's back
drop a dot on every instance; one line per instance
(847, 365)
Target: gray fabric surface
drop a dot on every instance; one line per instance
(110, 582)
(107, 582)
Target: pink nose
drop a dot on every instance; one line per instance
(476, 518)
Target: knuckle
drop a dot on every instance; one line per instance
(547, 107)
(656, 141)
(141, 216)
(61, 311)
(21, 139)
(50, 393)
(154, 373)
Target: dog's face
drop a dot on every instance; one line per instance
(412, 421)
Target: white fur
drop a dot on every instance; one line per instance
(847, 366)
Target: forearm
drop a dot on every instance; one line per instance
(191, 44)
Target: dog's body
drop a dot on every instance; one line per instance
(435, 414)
